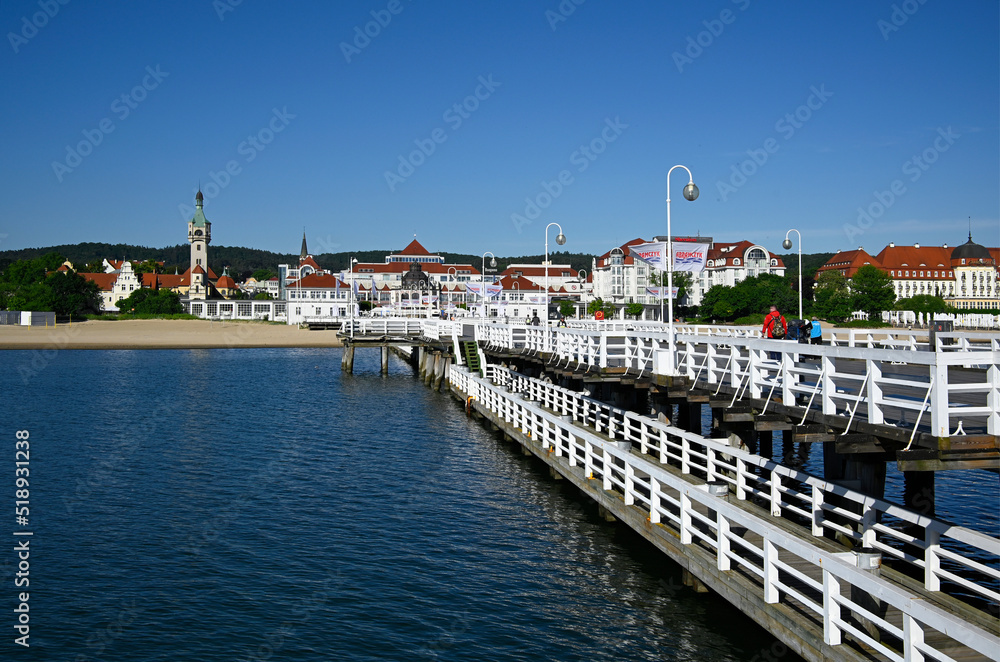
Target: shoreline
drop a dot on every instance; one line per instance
(163, 334)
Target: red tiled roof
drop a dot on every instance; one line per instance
(849, 262)
(319, 281)
(555, 270)
(509, 282)
(896, 257)
(414, 248)
(198, 269)
(225, 282)
(308, 260)
(602, 261)
(104, 281)
(170, 281)
(368, 268)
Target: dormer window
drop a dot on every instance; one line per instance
(736, 261)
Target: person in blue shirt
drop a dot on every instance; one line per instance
(816, 335)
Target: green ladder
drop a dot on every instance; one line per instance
(470, 353)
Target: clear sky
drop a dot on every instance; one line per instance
(450, 120)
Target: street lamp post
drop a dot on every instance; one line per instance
(452, 278)
(493, 264)
(351, 278)
(560, 239)
(690, 193)
(582, 273)
(786, 244)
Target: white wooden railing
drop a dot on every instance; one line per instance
(549, 415)
(838, 379)
(857, 375)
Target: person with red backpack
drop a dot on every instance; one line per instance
(775, 327)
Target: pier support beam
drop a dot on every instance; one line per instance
(385, 359)
(347, 360)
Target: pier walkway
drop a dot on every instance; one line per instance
(767, 538)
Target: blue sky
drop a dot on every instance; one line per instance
(789, 115)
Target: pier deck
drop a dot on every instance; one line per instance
(772, 545)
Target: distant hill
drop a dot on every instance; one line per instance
(810, 263)
(244, 261)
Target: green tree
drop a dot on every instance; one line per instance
(37, 285)
(598, 304)
(872, 291)
(566, 308)
(263, 274)
(261, 296)
(752, 296)
(148, 267)
(924, 303)
(70, 293)
(634, 309)
(832, 297)
(93, 267)
(145, 301)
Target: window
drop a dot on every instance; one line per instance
(736, 262)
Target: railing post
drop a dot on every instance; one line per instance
(940, 425)
(654, 500)
(685, 514)
(721, 541)
(932, 562)
(817, 511)
(868, 519)
(629, 484)
(741, 479)
(913, 637)
(828, 389)
(606, 473)
(832, 634)
(775, 492)
(685, 455)
(993, 399)
(874, 392)
(770, 572)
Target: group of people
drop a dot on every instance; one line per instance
(775, 326)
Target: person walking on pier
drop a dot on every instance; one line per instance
(775, 327)
(816, 335)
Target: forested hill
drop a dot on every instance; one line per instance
(244, 261)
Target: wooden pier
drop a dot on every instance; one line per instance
(767, 538)
(618, 412)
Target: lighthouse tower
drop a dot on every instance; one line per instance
(199, 236)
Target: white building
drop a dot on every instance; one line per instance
(319, 297)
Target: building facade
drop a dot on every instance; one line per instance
(965, 276)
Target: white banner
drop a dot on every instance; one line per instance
(492, 291)
(653, 254)
(661, 292)
(425, 299)
(689, 257)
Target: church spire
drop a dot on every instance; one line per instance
(305, 250)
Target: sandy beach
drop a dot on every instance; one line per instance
(163, 334)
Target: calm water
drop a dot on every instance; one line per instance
(258, 505)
